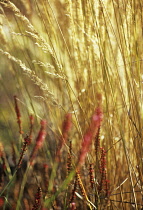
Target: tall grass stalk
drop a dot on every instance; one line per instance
(59, 58)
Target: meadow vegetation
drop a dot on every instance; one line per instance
(71, 104)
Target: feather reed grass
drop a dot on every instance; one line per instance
(60, 58)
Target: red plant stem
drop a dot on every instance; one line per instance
(31, 127)
(13, 153)
(107, 192)
(69, 159)
(24, 148)
(37, 199)
(17, 110)
(39, 141)
(67, 124)
(91, 175)
(90, 134)
(97, 141)
(68, 163)
(102, 169)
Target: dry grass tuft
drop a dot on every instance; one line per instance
(60, 58)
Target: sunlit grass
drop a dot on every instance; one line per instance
(61, 57)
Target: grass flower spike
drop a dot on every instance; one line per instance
(18, 114)
(39, 140)
(71, 62)
(90, 134)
